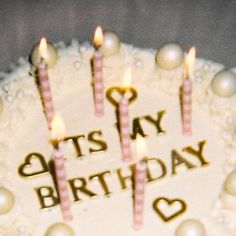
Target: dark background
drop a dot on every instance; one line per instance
(210, 25)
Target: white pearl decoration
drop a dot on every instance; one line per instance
(77, 64)
(19, 94)
(138, 63)
(190, 227)
(84, 46)
(228, 200)
(230, 183)
(59, 229)
(197, 73)
(7, 200)
(230, 120)
(224, 83)
(22, 230)
(111, 43)
(9, 98)
(51, 55)
(223, 219)
(170, 56)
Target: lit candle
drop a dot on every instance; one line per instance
(44, 83)
(139, 183)
(57, 134)
(50, 55)
(186, 95)
(123, 111)
(97, 73)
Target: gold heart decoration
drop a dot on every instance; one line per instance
(34, 164)
(169, 203)
(115, 91)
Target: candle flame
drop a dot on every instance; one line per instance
(127, 79)
(98, 37)
(43, 48)
(190, 62)
(58, 128)
(141, 147)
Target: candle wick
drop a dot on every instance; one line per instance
(125, 95)
(55, 143)
(144, 159)
(42, 60)
(97, 47)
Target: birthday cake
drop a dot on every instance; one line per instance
(191, 180)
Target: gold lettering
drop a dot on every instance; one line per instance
(156, 122)
(100, 177)
(150, 177)
(198, 153)
(124, 178)
(75, 141)
(82, 188)
(178, 160)
(137, 129)
(46, 197)
(102, 146)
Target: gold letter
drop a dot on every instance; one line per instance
(137, 128)
(197, 153)
(159, 162)
(46, 197)
(82, 188)
(75, 141)
(100, 177)
(157, 122)
(177, 160)
(123, 179)
(102, 146)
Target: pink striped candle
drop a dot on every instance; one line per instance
(58, 133)
(61, 180)
(97, 74)
(124, 129)
(123, 111)
(139, 184)
(187, 93)
(187, 107)
(44, 84)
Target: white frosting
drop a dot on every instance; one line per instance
(23, 129)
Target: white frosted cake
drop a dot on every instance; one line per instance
(191, 182)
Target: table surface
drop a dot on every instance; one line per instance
(209, 25)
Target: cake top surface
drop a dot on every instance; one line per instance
(186, 174)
